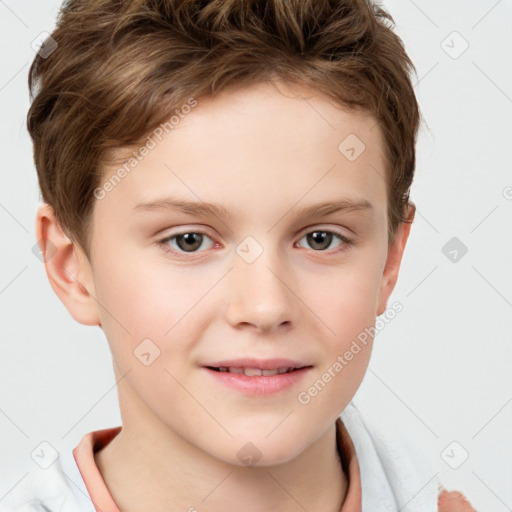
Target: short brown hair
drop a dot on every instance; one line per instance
(121, 67)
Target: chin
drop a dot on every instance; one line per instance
(248, 450)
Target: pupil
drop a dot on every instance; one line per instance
(190, 242)
(319, 237)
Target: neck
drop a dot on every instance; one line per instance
(151, 468)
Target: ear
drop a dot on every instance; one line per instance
(394, 258)
(67, 268)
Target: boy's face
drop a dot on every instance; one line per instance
(257, 284)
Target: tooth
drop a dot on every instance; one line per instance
(233, 369)
(269, 372)
(252, 371)
(283, 370)
(223, 369)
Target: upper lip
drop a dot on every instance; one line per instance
(262, 364)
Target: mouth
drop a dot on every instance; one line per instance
(255, 372)
(258, 377)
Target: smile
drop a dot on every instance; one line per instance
(253, 372)
(256, 381)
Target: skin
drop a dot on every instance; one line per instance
(262, 152)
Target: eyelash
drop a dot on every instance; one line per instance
(168, 250)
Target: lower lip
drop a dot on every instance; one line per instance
(259, 385)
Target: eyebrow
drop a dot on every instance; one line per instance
(217, 210)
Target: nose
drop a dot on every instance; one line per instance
(260, 295)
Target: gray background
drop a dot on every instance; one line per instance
(442, 366)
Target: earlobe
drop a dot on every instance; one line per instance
(393, 261)
(66, 267)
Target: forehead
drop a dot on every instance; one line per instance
(256, 145)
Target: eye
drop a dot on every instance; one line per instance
(320, 239)
(187, 242)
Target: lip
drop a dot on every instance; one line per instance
(263, 364)
(263, 385)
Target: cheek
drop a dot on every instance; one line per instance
(151, 301)
(347, 310)
(346, 301)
